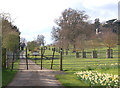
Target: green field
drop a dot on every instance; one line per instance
(71, 64)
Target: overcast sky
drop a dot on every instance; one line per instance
(34, 17)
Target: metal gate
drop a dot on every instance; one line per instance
(42, 56)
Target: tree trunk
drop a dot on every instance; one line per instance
(59, 49)
(74, 48)
(63, 51)
(56, 50)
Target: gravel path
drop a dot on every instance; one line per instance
(35, 77)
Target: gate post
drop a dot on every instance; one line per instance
(26, 59)
(61, 60)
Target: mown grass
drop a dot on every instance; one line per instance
(71, 64)
(8, 74)
(70, 80)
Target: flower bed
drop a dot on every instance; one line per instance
(98, 79)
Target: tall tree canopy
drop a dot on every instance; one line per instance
(71, 24)
(10, 33)
(32, 45)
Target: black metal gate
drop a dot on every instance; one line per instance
(24, 55)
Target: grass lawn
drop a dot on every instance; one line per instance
(70, 80)
(8, 75)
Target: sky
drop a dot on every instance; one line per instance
(35, 17)
(119, 10)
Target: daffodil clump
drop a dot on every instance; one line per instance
(112, 64)
(98, 79)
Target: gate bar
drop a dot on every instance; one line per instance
(52, 57)
(61, 60)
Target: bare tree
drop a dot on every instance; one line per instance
(81, 45)
(109, 40)
(55, 33)
(94, 42)
(40, 40)
(80, 42)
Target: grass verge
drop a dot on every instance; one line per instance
(8, 75)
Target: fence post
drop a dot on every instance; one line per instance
(13, 61)
(61, 60)
(4, 58)
(26, 59)
(52, 57)
(7, 61)
(41, 56)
